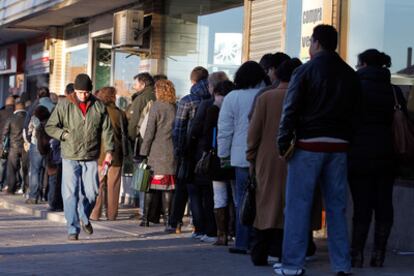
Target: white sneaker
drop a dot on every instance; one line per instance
(277, 265)
(271, 259)
(286, 271)
(19, 192)
(208, 239)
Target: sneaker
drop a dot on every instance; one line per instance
(73, 237)
(196, 236)
(286, 271)
(272, 259)
(208, 239)
(19, 191)
(277, 265)
(87, 228)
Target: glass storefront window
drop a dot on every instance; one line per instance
(102, 62)
(76, 62)
(125, 68)
(207, 33)
(385, 25)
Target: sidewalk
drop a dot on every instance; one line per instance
(33, 242)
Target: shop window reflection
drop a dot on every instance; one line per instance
(208, 36)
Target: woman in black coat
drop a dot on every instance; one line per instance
(371, 161)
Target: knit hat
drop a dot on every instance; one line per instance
(83, 82)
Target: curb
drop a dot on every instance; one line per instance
(26, 210)
(53, 217)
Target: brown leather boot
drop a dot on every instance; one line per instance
(221, 222)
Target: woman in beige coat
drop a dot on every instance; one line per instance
(270, 170)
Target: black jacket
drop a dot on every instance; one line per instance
(372, 144)
(322, 100)
(14, 129)
(5, 114)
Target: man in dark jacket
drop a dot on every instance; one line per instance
(80, 122)
(5, 113)
(318, 109)
(144, 85)
(13, 129)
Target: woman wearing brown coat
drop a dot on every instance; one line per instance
(110, 191)
(270, 170)
(157, 147)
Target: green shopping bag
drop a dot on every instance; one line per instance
(141, 177)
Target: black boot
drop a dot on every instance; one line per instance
(359, 237)
(166, 206)
(220, 215)
(382, 232)
(147, 206)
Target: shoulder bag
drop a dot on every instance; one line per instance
(247, 212)
(403, 132)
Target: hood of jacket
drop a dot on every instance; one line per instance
(200, 89)
(375, 74)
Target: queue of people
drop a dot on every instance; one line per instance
(303, 131)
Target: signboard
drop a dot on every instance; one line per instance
(37, 60)
(314, 12)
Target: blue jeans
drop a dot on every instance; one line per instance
(202, 207)
(80, 186)
(305, 170)
(37, 169)
(243, 233)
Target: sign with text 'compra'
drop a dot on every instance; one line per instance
(314, 12)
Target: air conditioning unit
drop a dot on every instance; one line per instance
(128, 29)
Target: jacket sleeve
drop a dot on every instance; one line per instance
(149, 132)
(180, 127)
(254, 134)
(54, 126)
(6, 130)
(290, 111)
(225, 128)
(107, 133)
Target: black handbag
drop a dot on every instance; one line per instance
(247, 212)
(209, 160)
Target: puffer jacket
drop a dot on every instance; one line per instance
(372, 143)
(84, 133)
(233, 124)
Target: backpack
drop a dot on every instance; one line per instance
(43, 139)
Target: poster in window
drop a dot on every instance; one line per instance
(228, 48)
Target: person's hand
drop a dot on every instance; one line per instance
(108, 158)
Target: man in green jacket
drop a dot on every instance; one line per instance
(144, 85)
(80, 122)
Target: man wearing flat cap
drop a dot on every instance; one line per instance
(80, 122)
